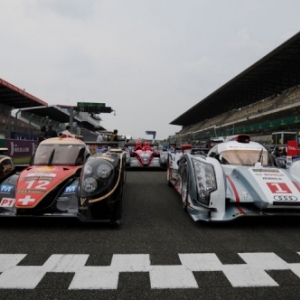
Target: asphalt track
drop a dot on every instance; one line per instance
(158, 253)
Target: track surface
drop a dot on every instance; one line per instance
(158, 253)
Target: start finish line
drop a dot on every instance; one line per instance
(252, 273)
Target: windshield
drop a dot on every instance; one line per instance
(245, 157)
(67, 155)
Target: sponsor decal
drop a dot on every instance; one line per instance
(271, 178)
(38, 177)
(7, 202)
(46, 169)
(31, 191)
(70, 189)
(279, 188)
(38, 174)
(5, 188)
(266, 170)
(25, 201)
(285, 198)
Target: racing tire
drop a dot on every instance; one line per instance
(184, 190)
(168, 176)
(117, 214)
(117, 211)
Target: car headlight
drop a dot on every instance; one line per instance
(206, 180)
(89, 184)
(88, 169)
(104, 170)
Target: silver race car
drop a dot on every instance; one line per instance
(235, 178)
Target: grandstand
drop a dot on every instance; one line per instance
(262, 99)
(22, 115)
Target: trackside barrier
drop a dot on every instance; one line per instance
(18, 148)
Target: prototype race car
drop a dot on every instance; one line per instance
(236, 178)
(64, 180)
(143, 156)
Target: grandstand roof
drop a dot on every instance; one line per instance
(54, 112)
(14, 97)
(274, 73)
(60, 113)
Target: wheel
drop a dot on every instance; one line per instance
(117, 213)
(169, 172)
(117, 210)
(184, 189)
(168, 175)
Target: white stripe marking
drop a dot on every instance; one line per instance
(94, 278)
(172, 277)
(21, 277)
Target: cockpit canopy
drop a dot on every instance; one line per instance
(60, 154)
(245, 154)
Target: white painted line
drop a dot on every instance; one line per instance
(95, 278)
(265, 261)
(130, 262)
(201, 262)
(247, 276)
(172, 277)
(7, 261)
(21, 277)
(65, 262)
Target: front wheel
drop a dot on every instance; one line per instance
(184, 190)
(117, 213)
(169, 172)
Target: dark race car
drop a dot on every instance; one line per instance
(64, 180)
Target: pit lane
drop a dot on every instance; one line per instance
(155, 225)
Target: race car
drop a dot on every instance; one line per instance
(64, 180)
(234, 179)
(143, 156)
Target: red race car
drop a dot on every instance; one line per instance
(144, 156)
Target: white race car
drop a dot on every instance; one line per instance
(235, 178)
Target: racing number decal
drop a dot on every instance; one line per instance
(40, 186)
(279, 188)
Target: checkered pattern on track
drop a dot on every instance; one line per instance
(250, 274)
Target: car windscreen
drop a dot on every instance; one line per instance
(245, 157)
(58, 154)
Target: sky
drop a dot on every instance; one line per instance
(150, 60)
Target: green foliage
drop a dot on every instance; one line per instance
(21, 160)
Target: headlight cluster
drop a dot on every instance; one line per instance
(206, 180)
(92, 174)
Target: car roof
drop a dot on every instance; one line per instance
(234, 145)
(63, 141)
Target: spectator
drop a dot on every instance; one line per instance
(67, 133)
(50, 132)
(41, 135)
(99, 138)
(114, 136)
